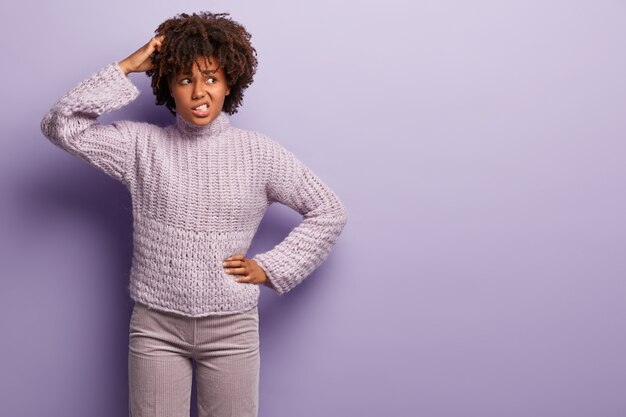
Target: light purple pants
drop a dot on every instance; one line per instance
(226, 352)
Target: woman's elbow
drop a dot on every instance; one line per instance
(341, 213)
(58, 129)
(48, 126)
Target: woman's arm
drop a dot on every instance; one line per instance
(294, 184)
(72, 123)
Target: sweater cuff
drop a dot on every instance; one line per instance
(106, 90)
(272, 281)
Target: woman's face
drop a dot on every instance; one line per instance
(199, 95)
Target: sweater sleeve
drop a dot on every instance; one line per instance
(71, 123)
(294, 184)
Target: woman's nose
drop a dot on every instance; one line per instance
(198, 92)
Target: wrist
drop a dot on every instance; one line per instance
(124, 67)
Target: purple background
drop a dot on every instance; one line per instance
(478, 146)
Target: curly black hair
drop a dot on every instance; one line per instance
(205, 34)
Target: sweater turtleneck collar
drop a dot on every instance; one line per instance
(217, 126)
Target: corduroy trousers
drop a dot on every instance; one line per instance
(225, 349)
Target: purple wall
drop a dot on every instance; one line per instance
(478, 146)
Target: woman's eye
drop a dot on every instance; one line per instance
(211, 80)
(185, 81)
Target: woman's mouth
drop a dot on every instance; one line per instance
(201, 111)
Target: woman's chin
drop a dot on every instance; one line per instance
(199, 121)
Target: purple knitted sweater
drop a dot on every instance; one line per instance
(198, 196)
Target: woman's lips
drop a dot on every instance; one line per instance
(201, 111)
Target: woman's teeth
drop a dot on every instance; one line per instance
(201, 108)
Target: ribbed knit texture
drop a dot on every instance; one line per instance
(198, 196)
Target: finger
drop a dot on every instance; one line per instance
(152, 45)
(237, 256)
(246, 279)
(236, 271)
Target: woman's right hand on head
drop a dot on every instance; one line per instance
(140, 61)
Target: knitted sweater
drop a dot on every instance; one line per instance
(198, 196)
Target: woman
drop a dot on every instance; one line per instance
(199, 190)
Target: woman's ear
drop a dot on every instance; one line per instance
(228, 91)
